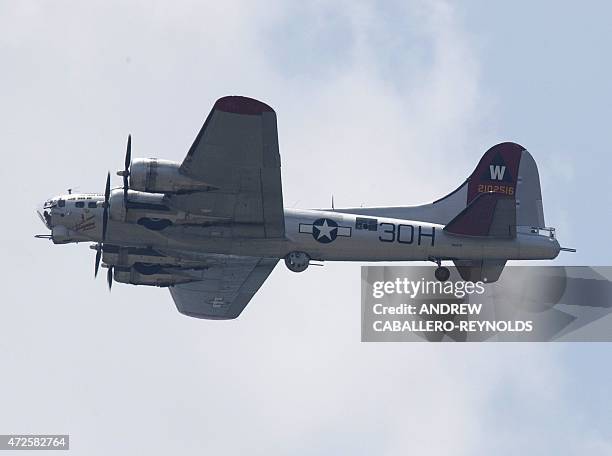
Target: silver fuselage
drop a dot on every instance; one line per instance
(342, 237)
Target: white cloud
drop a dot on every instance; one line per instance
(381, 119)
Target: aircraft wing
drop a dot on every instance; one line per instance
(225, 288)
(236, 153)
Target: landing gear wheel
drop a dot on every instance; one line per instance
(297, 261)
(442, 273)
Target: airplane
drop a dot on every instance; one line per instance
(213, 227)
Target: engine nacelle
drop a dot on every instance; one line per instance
(154, 275)
(128, 256)
(162, 176)
(139, 204)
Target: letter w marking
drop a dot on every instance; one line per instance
(497, 172)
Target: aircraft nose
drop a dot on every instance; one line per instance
(45, 215)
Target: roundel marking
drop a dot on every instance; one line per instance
(324, 230)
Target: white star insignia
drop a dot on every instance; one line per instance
(325, 230)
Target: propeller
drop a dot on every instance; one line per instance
(125, 173)
(106, 206)
(99, 247)
(98, 258)
(109, 277)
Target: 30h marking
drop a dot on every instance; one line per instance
(405, 234)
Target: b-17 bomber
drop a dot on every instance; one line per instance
(213, 227)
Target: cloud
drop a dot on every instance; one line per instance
(399, 103)
(380, 104)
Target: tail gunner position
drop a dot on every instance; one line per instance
(213, 227)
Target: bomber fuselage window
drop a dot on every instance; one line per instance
(79, 204)
(369, 224)
(61, 203)
(91, 205)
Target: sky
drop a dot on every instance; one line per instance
(383, 103)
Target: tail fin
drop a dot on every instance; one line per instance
(507, 170)
(490, 215)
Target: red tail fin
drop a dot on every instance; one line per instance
(497, 172)
(488, 215)
(506, 170)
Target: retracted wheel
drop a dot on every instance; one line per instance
(297, 261)
(442, 273)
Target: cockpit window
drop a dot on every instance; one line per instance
(91, 205)
(79, 204)
(61, 203)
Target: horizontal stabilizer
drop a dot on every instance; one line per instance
(489, 215)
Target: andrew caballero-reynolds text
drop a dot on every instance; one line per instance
(424, 298)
